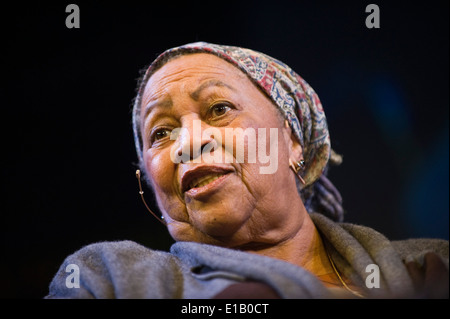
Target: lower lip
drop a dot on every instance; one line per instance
(208, 189)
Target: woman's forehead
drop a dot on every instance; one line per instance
(195, 68)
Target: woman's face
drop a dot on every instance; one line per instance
(207, 189)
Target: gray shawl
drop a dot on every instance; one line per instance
(125, 269)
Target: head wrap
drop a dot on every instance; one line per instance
(296, 100)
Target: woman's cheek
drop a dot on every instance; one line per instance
(162, 176)
(161, 173)
(160, 169)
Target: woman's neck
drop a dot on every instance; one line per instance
(305, 249)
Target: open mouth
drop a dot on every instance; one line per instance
(203, 181)
(202, 176)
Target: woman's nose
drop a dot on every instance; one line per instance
(194, 141)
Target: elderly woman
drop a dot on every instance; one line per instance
(246, 224)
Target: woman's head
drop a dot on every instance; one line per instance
(215, 129)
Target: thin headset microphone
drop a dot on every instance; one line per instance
(141, 192)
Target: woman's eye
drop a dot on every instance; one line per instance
(160, 134)
(219, 109)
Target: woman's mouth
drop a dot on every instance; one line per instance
(203, 181)
(207, 186)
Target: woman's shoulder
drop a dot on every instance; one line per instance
(117, 249)
(116, 254)
(418, 247)
(113, 269)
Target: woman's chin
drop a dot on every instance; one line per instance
(219, 216)
(219, 225)
(219, 234)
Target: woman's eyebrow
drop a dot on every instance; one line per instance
(196, 94)
(167, 103)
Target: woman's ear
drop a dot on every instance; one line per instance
(295, 149)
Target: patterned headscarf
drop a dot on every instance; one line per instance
(296, 100)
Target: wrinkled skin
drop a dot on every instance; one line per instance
(249, 207)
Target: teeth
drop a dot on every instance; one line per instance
(204, 180)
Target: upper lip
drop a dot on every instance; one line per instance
(200, 171)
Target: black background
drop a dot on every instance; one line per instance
(68, 159)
